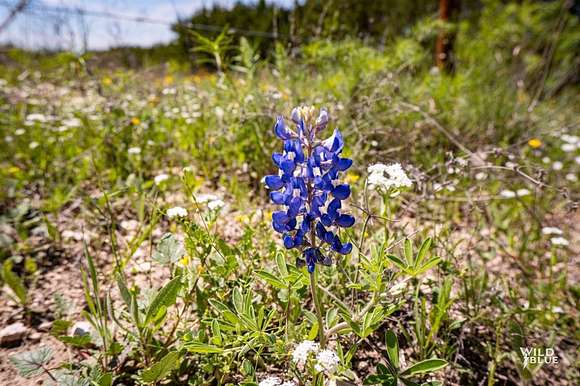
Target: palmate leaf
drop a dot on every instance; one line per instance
(169, 250)
(30, 363)
(161, 369)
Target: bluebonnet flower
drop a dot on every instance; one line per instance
(307, 186)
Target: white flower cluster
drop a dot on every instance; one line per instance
(326, 360)
(212, 201)
(176, 211)
(512, 194)
(385, 177)
(558, 240)
(301, 352)
(159, 179)
(275, 381)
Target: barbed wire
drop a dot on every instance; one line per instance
(35, 8)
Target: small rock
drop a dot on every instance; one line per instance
(45, 326)
(12, 333)
(80, 329)
(35, 337)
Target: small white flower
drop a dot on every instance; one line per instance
(546, 160)
(571, 177)
(270, 381)
(480, 176)
(568, 147)
(216, 204)
(72, 122)
(510, 165)
(134, 150)
(33, 145)
(383, 176)
(176, 211)
(161, 178)
(19, 132)
(577, 160)
(301, 352)
(522, 192)
(570, 138)
(327, 361)
(36, 117)
(557, 165)
(559, 241)
(507, 194)
(219, 112)
(551, 231)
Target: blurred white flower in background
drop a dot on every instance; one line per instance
(557, 165)
(507, 194)
(270, 381)
(559, 241)
(159, 179)
(571, 177)
(134, 150)
(551, 231)
(176, 211)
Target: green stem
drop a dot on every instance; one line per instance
(318, 307)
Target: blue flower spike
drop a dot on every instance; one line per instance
(308, 188)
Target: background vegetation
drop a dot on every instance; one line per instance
(97, 147)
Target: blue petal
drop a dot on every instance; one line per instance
(278, 227)
(274, 182)
(280, 129)
(288, 166)
(343, 164)
(326, 220)
(277, 158)
(341, 192)
(294, 207)
(277, 198)
(345, 249)
(280, 217)
(288, 241)
(333, 208)
(345, 220)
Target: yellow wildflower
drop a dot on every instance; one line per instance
(352, 178)
(184, 261)
(107, 81)
(13, 169)
(135, 121)
(168, 80)
(534, 143)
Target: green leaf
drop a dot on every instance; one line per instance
(160, 369)
(203, 348)
(272, 280)
(169, 250)
(422, 252)
(281, 263)
(165, 298)
(398, 262)
(77, 340)
(426, 366)
(30, 363)
(14, 282)
(409, 251)
(392, 348)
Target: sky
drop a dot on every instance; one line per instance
(51, 24)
